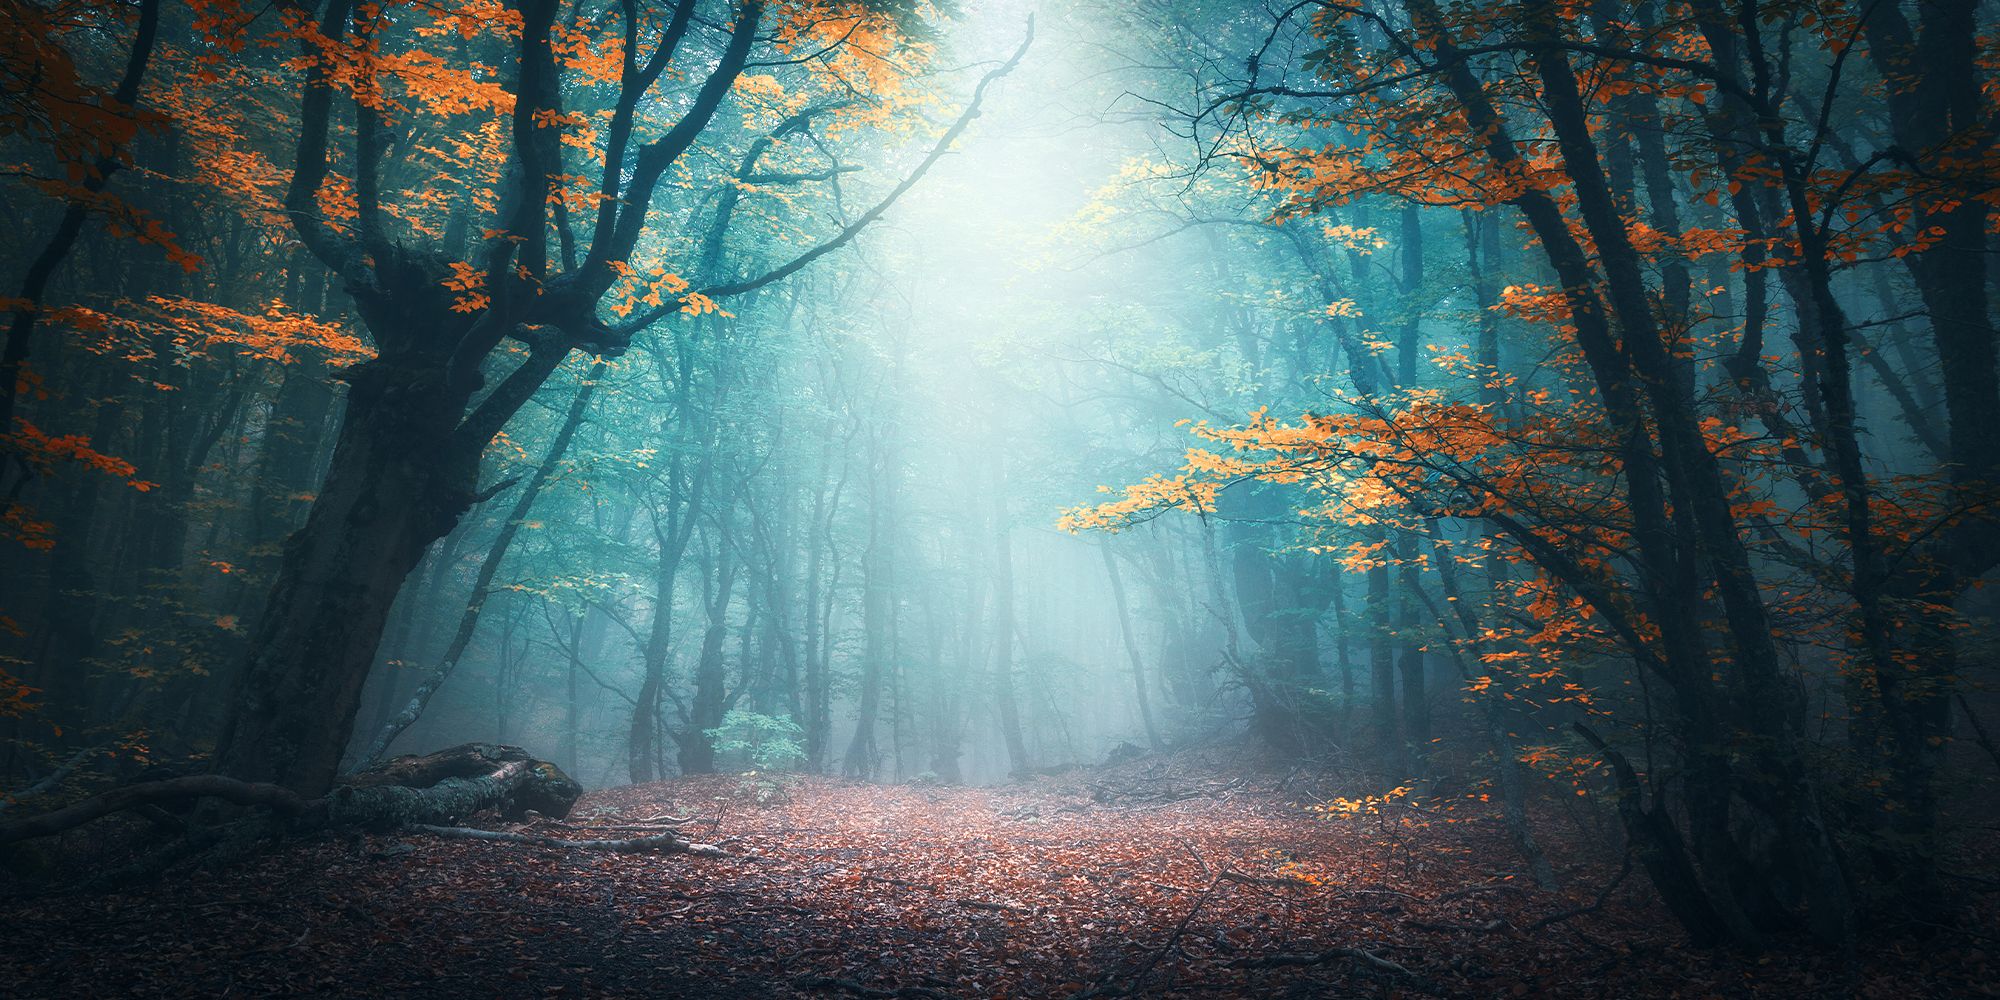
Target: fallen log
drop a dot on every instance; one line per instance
(435, 789)
(442, 787)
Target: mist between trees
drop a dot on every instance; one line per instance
(1512, 402)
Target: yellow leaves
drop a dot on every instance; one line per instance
(1362, 240)
(697, 304)
(551, 118)
(1343, 308)
(760, 85)
(1155, 493)
(443, 89)
(1366, 805)
(471, 18)
(1535, 304)
(1361, 556)
(17, 698)
(34, 534)
(577, 132)
(849, 45)
(1208, 463)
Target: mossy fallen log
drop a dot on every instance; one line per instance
(443, 787)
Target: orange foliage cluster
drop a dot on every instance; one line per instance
(42, 452)
(851, 48)
(187, 329)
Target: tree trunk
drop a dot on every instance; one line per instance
(1003, 630)
(482, 588)
(696, 753)
(398, 482)
(1131, 645)
(877, 600)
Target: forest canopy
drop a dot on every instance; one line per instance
(1520, 409)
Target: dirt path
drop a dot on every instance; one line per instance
(850, 890)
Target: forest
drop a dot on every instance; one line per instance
(999, 498)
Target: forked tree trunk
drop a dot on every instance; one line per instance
(397, 483)
(482, 587)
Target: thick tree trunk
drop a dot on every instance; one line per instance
(398, 482)
(1668, 577)
(1699, 485)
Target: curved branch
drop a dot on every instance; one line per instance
(852, 229)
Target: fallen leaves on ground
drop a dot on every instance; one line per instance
(1178, 876)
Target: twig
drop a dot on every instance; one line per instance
(982, 904)
(1179, 929)
(1473, 890)
(54, 778)
(1205, 869)
(669, 820)
(1598, 904)
(1245, 878)
(1321, 958)
(666, 843)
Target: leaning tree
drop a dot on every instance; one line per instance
(468, 329)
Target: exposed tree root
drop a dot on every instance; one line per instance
(243, 793)
(436, 789)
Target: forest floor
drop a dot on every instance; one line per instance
(1200, 874)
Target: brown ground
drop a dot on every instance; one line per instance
(846, 890)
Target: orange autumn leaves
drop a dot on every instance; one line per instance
(1540, 464)
(650, 288)
(186, 330)
(1360, 466)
